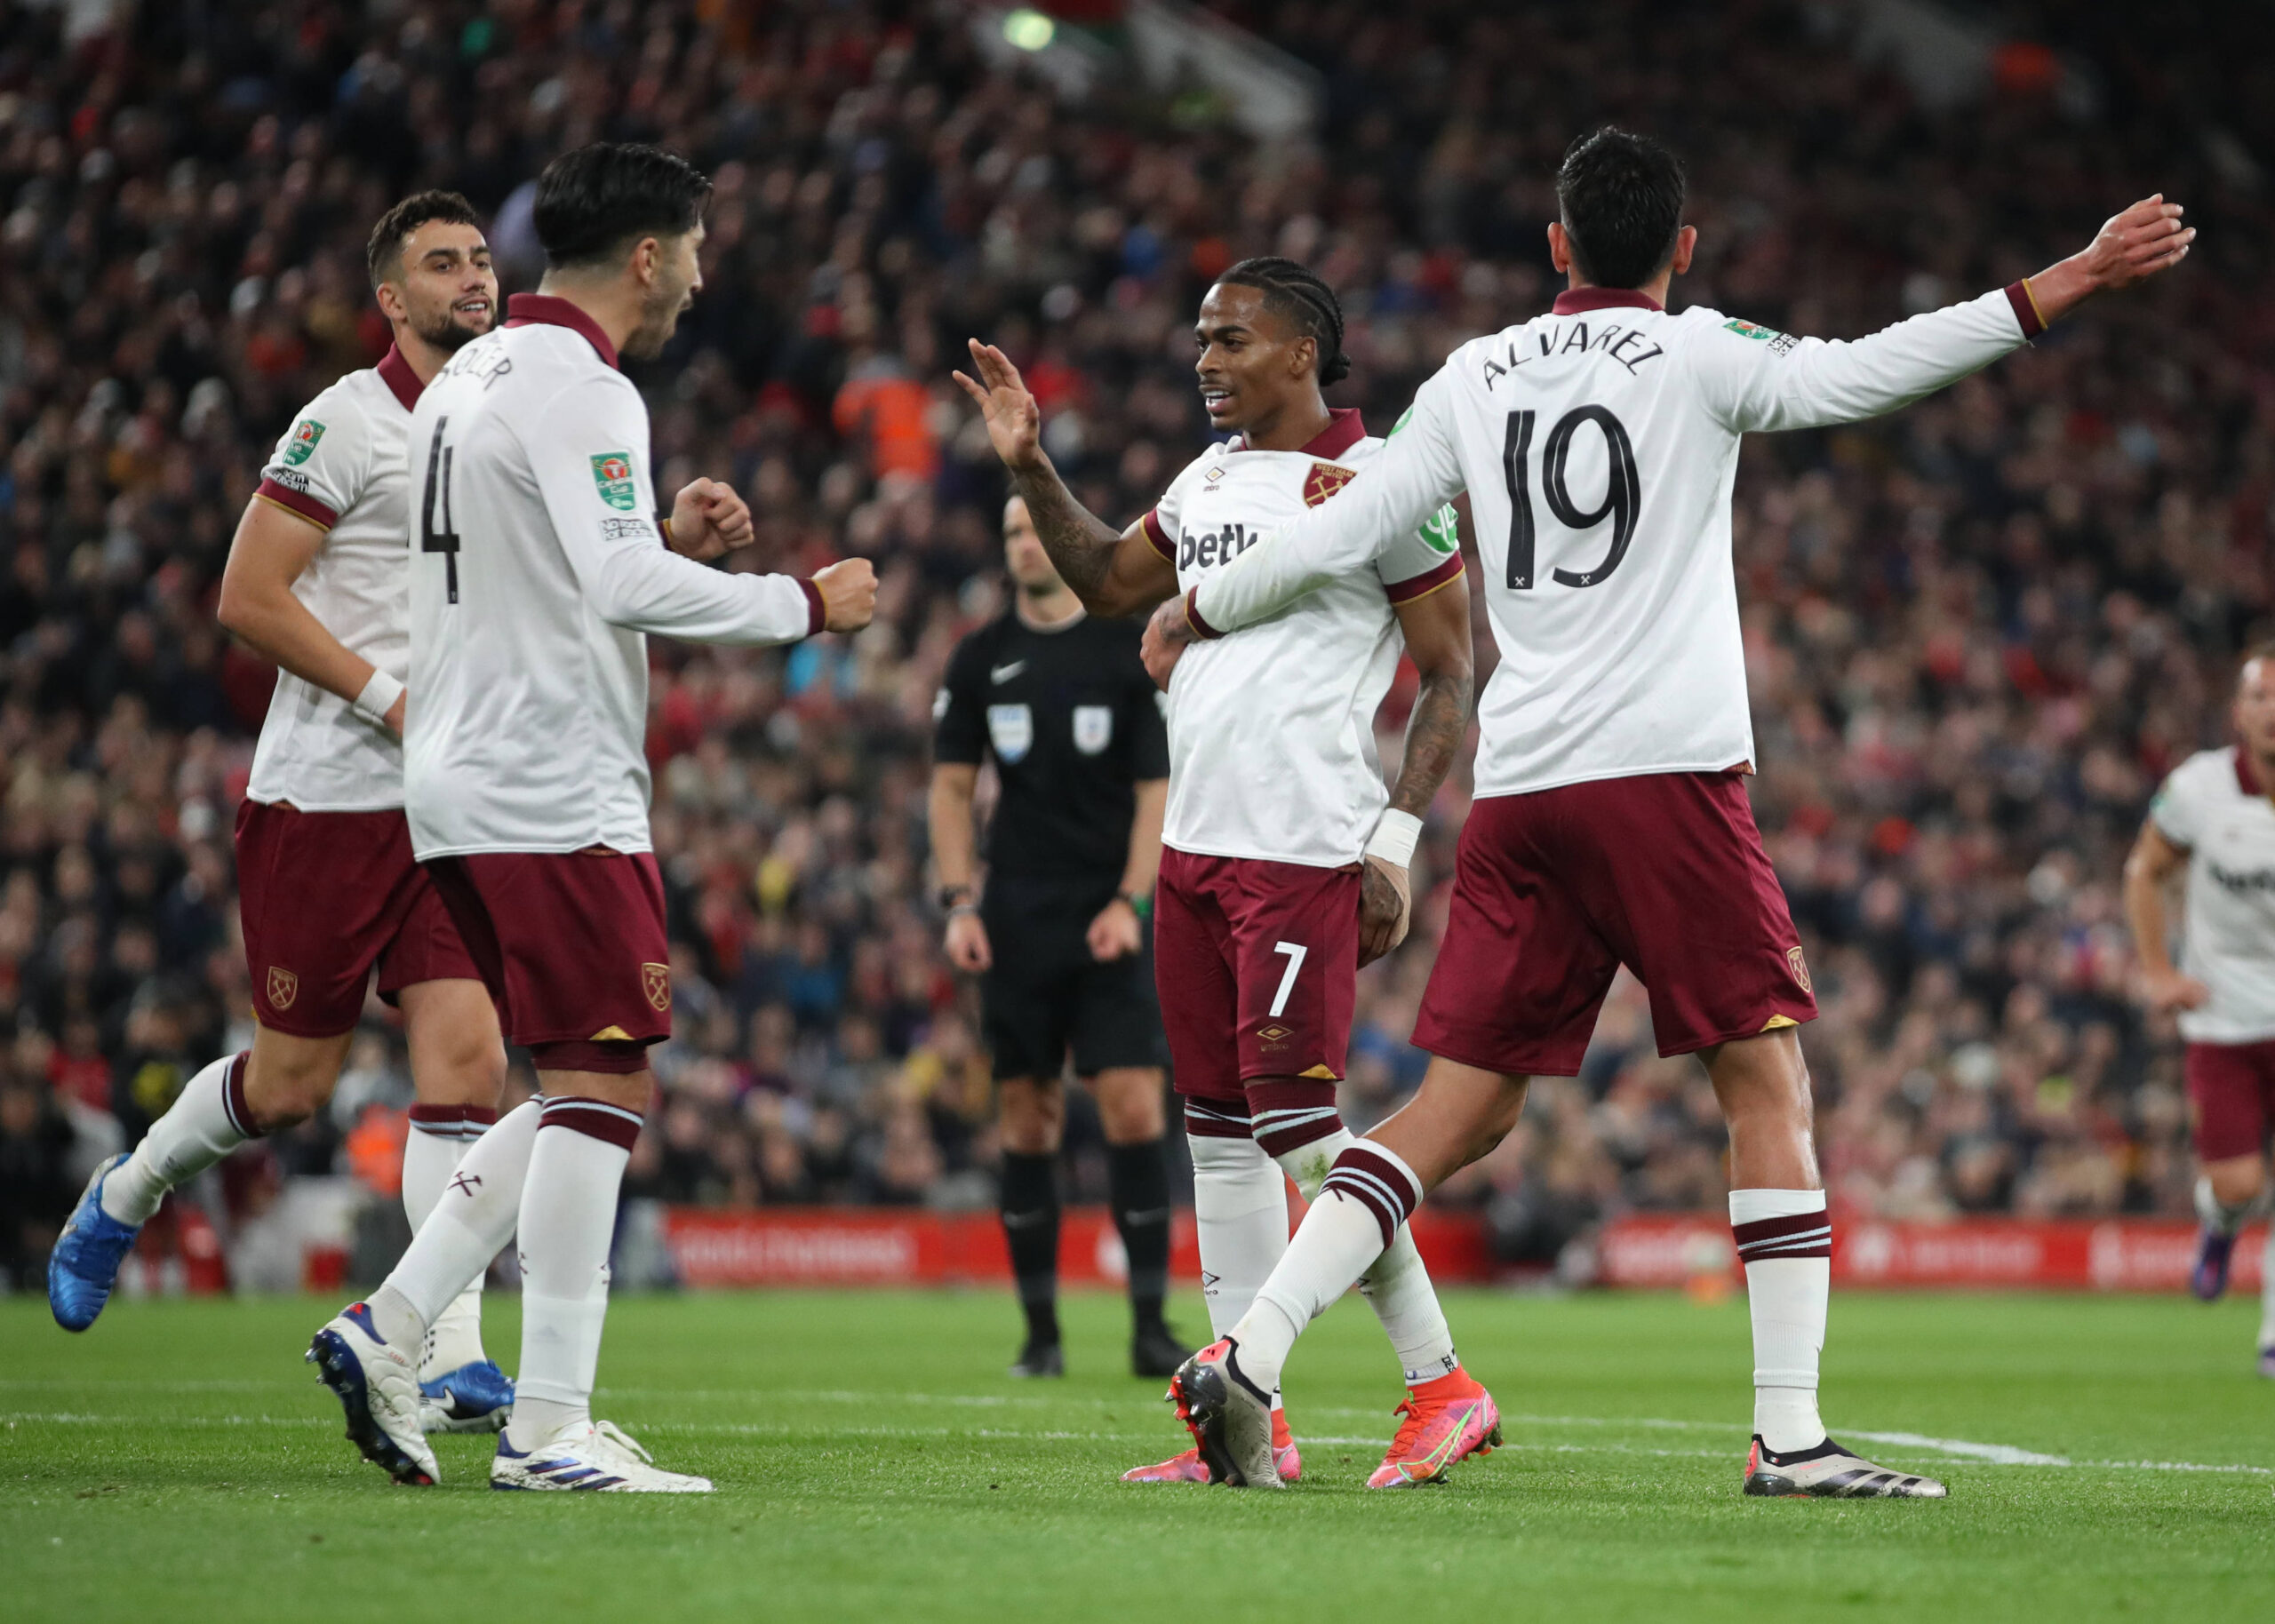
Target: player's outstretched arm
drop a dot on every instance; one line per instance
(2152, 862)
(272, 546)
(1113, 572)
(1752, 380)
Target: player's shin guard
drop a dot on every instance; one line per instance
(439, 1139)
(568, 1216)
(1138, 1184)
(207, 1120)
(1397, 1285)
(1364, 1204)
(1030, 1208)
(1784, 1238)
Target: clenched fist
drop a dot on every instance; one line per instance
(849, 595)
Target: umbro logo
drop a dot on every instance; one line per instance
(1004, 673)
(1214, 474)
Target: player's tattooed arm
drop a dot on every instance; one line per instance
(1436, 627)
(1113, 572)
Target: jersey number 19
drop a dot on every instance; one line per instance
(1623, 494)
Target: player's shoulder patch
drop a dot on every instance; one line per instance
(1779, 343)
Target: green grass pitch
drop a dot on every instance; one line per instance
(180, 1462)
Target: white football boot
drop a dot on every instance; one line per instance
(588, 1455)
(377, 1384)
(1831, 1471)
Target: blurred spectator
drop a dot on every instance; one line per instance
(1979, 633)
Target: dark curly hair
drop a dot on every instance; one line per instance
(1295, 295)
(383, 255)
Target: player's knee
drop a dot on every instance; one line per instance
(285, 1092)
(1031, 1117)
(2238, 1180)
(464, 1071)
(1130, 1107)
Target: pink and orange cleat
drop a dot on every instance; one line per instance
(1190, 1468)
(1446, 1421)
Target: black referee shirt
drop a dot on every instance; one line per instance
(1074, 723)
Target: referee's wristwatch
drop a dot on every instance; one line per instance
(1141, 904)
(956, 899)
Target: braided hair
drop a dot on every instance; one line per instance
(1293, 293)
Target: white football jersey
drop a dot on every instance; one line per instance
(1272, 736)
(340, 466)
(2215, 809)
(536, 568)
(1598, 445)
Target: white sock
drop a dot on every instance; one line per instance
(1785, 1236)
(1239, 1211)
(207, 1120)
(2267, 1291)
(2215, 1213)
(1397, 1285)
(469, 1225)
(1367, 1196)
(440, 1136)
(568, 1216)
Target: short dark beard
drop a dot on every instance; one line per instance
(449, 335)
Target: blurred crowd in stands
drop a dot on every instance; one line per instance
(1979, 633)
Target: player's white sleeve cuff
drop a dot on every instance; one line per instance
(1395, 837)
(378, 698)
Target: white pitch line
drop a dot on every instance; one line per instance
(1983, 1454)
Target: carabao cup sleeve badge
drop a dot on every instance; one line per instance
(612, 476)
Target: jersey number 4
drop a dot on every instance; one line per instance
(436, 534)
(1623, 493)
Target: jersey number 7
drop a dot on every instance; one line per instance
(1622, 492)
(444, 540)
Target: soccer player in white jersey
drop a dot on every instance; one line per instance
(317, 579)
(537, 571)
(1284, 862)
(1598, 445)
(2214, 818)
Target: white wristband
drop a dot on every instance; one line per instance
(1394, 837)
(378, 698)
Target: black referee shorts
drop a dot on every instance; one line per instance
(1045, 995)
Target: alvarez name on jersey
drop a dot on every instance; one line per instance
(2215, 809)
(342, 467)
(1598, 445)
(1272, 736)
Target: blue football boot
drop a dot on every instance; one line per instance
(84, 1265)
(476, 1398)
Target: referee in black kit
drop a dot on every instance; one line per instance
(1062, 938)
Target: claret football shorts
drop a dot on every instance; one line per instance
(327, 896)
(1554, 890)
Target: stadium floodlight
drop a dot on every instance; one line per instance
(1029, 30)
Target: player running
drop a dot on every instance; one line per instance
(537, 569)
(2214, 818)
(1599, 444)
(316, 581)
(1284, 862)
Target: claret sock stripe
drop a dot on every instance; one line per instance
(1376, 1183)
(610, 1124)
(1288, 1116)
(465, 1122)
(1216, 1119)
(233, 1103)
(1801, 1234)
